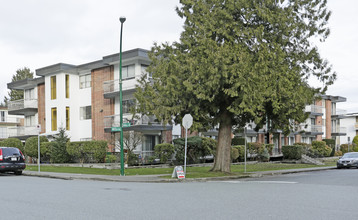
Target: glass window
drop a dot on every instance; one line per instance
(127, 105)
(53, 87)
(3, 116)
(85, 113)
(128, 72)
(67, 118)
(29, 94)
(85, 81)
(54, 119)
(67, 84)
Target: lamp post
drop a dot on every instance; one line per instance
(122, 20)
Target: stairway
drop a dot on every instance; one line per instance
(310, 160)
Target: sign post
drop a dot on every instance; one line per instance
(38, 127)
(187, 123)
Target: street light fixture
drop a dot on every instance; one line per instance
(122, 20)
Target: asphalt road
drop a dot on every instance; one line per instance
(331, 194)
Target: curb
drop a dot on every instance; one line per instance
(157, 179)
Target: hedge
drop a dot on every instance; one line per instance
(164, 151)
(292, 152)
(13, 142)
(87, 150)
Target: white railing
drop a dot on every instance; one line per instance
(313, 108)
(113, 86)
(22, 131)
(339, 112)
(114, 121)
(339, 130)
(11, 119)
(314, 128)
(22, 104)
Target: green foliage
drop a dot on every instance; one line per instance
(331, 143)
(111, 158)
(241, 150)
(164, 152)
(238, 141)
(269, 148)
(197, 147)
(86, 150)
(14, 94)
(344, 148)
(234, 154)
(232, 66)
(355, 140)
(31, 147)
(338, 153)
(292, 152)
(58, 152)
(13, 142)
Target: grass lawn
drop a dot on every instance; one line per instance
(192, 172)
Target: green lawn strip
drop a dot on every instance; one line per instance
(192, 172)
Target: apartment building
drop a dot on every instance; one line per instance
(9, 123)
(84, 99)
(350, 122)
(324, 122)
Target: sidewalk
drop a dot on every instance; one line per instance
(159, 179)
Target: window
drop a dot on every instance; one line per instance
(85, 113)
(3, 116)
(127, 105)
(144, 72)
(128, 72)
(67, 84)
(29, 94)
(67, 118)
(54, 119)
(30, 120)
(53, 87)
(85, 81)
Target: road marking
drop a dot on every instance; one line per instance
(269, 182)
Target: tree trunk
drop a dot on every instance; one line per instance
(223, 149)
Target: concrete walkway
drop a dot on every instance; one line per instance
(159, 179)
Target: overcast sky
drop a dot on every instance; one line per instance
(39, 33)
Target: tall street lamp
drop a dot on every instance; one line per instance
(122, 20)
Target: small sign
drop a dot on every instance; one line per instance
(113, 129)
(178, 172)
(38, 127)
(127, 124)
(187, 121)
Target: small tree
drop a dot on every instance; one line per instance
(58, 150)
(131, 140)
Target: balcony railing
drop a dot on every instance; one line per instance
(339, 130)
(114, 121)
(113, 86)
(10, 119)
(312, 128)
(339, 112)
(22, 104)
(314, 109)
(23, 131)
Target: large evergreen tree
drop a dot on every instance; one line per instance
(239, 61)
(24, 73)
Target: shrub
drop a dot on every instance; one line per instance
(164, 151)
(264, 156)
(241, 151)
(344, 148)
(269, 148)
(331, 143)
(338, 153)
(13, 142)
(292, 152)
(234, 154)
(238, 141)
(255, 149)
(85, 150)
(320, 149)
(111, 158)
(355, 140)
(31, 146)
(58, 152)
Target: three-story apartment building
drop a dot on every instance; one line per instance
(84, 99)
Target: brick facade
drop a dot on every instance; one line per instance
(41, 107)
(328, 118)
(100, 107)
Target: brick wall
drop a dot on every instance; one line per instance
(100, 106)
(328, 118)
(41, 107)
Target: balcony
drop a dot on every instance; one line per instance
(23, 107)
(356, 126)
(313, 129)
(148, 123)
(339, 131)
(23, 131)
(111, 88)
(11, 120)
(314, 110)
(339, 113)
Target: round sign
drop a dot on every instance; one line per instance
(187, 121)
